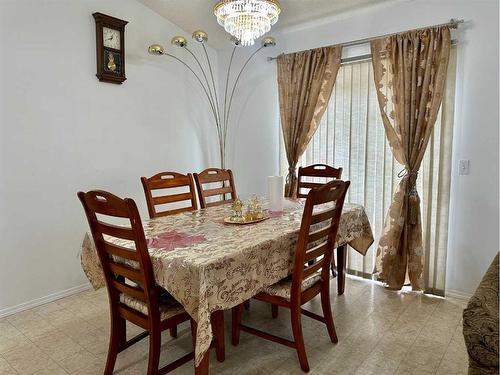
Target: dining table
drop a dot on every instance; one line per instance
(209, 266)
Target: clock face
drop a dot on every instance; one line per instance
(111, 38)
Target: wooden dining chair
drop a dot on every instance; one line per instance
(133, 293)
(224, 189)
(307, 174)
(315, 243)
(169, 181)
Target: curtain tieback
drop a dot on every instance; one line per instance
(411, 195)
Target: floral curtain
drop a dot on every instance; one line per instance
(305, 84)
(414, 67)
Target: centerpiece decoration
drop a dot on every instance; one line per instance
(248, 213)
(220, 105)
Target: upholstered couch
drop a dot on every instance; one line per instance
(481, 324)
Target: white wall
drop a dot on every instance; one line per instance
(61, 131)
(474, 228)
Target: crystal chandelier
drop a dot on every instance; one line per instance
(247, 20)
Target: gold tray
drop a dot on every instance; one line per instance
(228, 220)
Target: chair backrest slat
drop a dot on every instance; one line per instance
(323, 171)
(127, 272)
(217, 191)
(172, 198)
(132, 291)
(127, 267)
(324, 215)
(169, 180)
(318, 234)
(115, 230)
(318, 231)
(315, 252)
(222, 177)
(315, 267)
(120, 251)
(132, 315)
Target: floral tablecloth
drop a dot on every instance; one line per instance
(208, 265)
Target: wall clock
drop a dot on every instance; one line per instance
(110, 42)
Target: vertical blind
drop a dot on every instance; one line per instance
(351, 135)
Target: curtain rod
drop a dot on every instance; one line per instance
(452, 24)
(368, 56)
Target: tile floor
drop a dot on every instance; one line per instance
(380, 332)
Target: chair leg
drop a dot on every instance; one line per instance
(247, 304)
(327, 314)
(299, 338)
(173, 332)
(154, 351)
(274, 311)
(116, 340)
(236, 321)
(218, 328)
(332, 267)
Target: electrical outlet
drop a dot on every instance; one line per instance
(464, 167)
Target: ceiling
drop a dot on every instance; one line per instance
(192, 15)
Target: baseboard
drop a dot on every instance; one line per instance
(43, 300)
(457, 294)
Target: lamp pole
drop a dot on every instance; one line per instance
(220, 109)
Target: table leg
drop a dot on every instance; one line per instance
(202, 368)
(341, 268)
(218, 328)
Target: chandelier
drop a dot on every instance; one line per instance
(247, 20)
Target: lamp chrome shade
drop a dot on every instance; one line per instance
(268, 41)
(235, 41)
(156, 49)
(200, 36)
(179, 41)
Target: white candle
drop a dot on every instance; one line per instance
(275, 193)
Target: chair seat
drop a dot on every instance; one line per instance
(283, 288)
(169, 307)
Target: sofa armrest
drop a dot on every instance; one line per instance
(480, 320)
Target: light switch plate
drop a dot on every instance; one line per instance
(464, 167)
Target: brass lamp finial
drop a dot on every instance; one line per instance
(268, 41)
(200, 36)
(179, 41)
(235, 41)
(156, 49)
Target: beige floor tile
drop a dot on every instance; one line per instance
(10, 343)
(5, 368)
(412, 369)
(8, 330)
(392, 346)
(378, 364)
(452, 367)
(425, 354)
(58, 346)
(46, 309)
(78, 361)
(27, 359)
(380, 332)
(52, 369)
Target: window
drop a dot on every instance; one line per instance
(351, 135)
